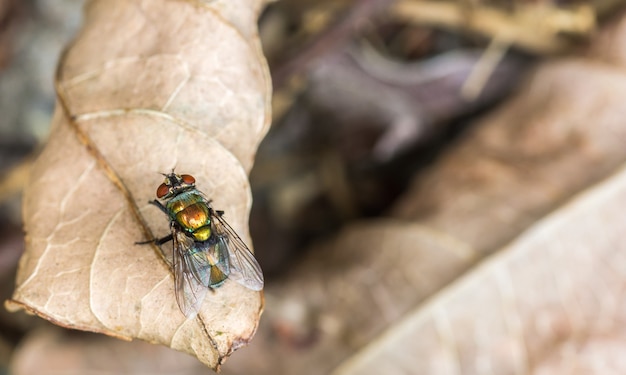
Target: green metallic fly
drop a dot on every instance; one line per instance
(206, 250)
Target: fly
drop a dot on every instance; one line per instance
(206, 250)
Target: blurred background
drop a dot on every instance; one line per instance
(403, 134)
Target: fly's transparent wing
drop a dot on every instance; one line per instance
(189, 290)
(244, 268)
(197, 262)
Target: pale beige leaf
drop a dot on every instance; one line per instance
(49, 350)
(147, 86)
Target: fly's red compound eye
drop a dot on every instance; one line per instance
(188, 179)
(162, 190)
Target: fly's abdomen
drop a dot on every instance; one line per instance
(217, 277)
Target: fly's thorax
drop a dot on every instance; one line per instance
(191, 211)
(196, 220)
(203, 233)
(184, 199)
(194, 216)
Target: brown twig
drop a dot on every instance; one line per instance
(537, 28)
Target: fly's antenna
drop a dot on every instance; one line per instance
(167, 174)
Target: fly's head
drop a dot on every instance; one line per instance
(175, 184)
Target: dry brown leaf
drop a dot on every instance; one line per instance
(550, 303)
(563, 133)
(146, 87)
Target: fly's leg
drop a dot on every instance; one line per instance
(162, 240)
(157, 241)
(160, 206)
